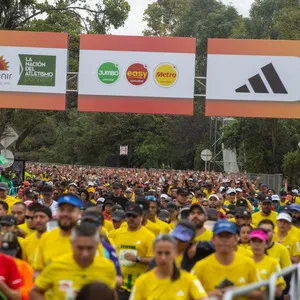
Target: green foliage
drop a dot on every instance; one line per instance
(291, 162)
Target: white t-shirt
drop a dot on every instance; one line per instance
(53, 207)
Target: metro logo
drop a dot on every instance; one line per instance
(166, 75)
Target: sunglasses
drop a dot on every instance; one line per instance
(150, 198)
(29, 217)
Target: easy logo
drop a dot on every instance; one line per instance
(137, 74)
(166, 75)
(108, 73)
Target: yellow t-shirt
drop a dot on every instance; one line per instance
(108, 225)
(240, 272)
(245, 246)
(243, 251)
(10, 202)
(257, 218)
(163, 226)
(138, 242)
(153, 227)
(26, 229)
(266, 267)
(281, 254)
(207, 235)
(173, 224)
(65, 277)
(149, 287)
(52, 245)
(290, 243)
(29, 247)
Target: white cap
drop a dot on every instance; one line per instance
(129, 190)
(275, 198)
(90, 183)
(101, 199)
(239, 190)
(213, 195)
(284, 216)
(221, 189)
(295, 191)
(230, 190)
(164, 196)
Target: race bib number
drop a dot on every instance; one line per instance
(67, 287)
(123, 261)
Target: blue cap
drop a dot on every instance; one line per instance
(70, 199)
(295, 207)
(183, 233)
(224, 226)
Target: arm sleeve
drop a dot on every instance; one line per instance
(43, 281)
(113, 257)
(196, 289)
(14, 280)
(38, 261)
(285, 259)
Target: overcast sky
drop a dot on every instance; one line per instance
(134, 25)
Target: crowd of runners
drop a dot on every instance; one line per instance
(70, 232)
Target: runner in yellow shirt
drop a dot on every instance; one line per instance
(225, 269)
(4, 196)
(265, 265)
(134, 247)
(166, 280)
(41, 217)
(284, 237)
(265, 213)
(198, 216)
(67, 274)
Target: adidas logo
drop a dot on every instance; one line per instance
(259, 85)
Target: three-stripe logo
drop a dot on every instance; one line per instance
(259, 86)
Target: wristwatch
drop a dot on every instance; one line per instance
(138, 259)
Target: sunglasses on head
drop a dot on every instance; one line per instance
(29, 217)
(150, 198)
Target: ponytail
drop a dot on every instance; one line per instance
(176, 272)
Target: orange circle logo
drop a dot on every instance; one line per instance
(137, 74)
(166, 75)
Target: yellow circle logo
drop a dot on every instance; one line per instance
(166, 75)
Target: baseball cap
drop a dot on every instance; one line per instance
(116, 185)
(118, 215)
(129, 190)
(90, 183)
(47, 190)
(275, 198)
(239, 190)
(3, 186)
(134, 209)
(183, 233)
(240, 213)
(9, 220)
(258, 234)
(73, 184)
(267, 200)
(283, 194)
(241, 202)
(164, 215)
(196, 205)
(171, 206)
(213, 195)
(284, 216)
(91, 190)
(10, 243)
(230, 190)
(164, 196)
(295, 207)
(92, 216)
(295, 191)
(224, 226)
(70, 199)
(109, 201)
(182, 191)
(28, 191)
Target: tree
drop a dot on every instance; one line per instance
(291, 162)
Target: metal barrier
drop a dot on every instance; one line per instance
(270, 285)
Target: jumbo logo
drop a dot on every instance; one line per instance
(166, 75)
(137, 74)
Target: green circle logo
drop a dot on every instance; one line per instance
(108, 73)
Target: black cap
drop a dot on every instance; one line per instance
(241, 203)
(10, 243)
(92, 216)
(242, 213)
(28, 192)
(171, 206)
(267, 200)
(182, 191)
(9, 220)
(196, 205)
(134, 209)
(118, 215)
(260, 197)
(116, 185)
(164, 215)
(109, 201)
(47, 189)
